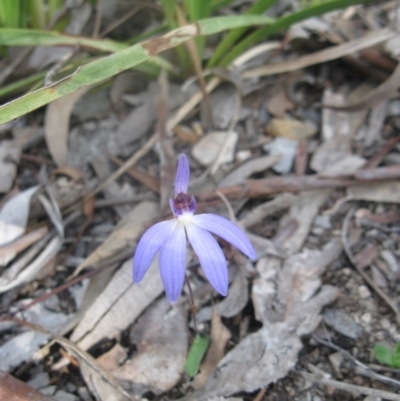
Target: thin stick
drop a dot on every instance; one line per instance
(193, 307)
(361, 271)
(368, 371)
(351, 388)
(97, 22)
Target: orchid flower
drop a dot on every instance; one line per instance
(169, 238)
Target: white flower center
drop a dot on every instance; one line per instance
(185, 218)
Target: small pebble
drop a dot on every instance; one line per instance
(363, 292)
(366, 318)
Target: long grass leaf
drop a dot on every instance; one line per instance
(31, 37)
(284, 23)
(107, 67)
(10, 15)
(231, 38)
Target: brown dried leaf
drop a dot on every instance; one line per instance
(220, 336)
(380, 192)
(291, 129)
(322, 56)
(289, 307)
(244, 171)
(124, 235)
(9, 160)
(161, 338)
(57, 124)
(100, 383)
(303, 210)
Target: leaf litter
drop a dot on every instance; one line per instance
(288, 162)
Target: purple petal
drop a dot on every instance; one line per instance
(211, 258)
(182, 175)
(148, 246)
(226, 230)
(173, 263)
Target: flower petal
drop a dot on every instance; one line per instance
(173, 263)
(148, 246)
(226, 230)
(211, 258)
(182, 175)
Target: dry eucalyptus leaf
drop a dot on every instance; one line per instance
(125, 234)
(337, 122)
(280, 202)
(100, 383)
(346, 166)
(286, 148)
(279, 104)
(233, 303)
(330, 152)
(268, 355)
(161, 339)
(29, 265)
(14, 215)
(208, 149)
(120, 303)
(291, 129)
(257, 165)
(381, 192)
(220, 336)
(57, 118)
(303, 211)
(9, 159)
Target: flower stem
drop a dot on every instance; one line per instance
(193, 307)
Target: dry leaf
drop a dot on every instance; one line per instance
(303, 211)
(380, 192)
(291, 129)
(286, 148)
(233, 303)
(322, 56)
(124, 235)
(215, 145)
(289, 308)
(220, 336)
(118, 305)
(279, 104)
(57, 124)
(28, 266)
(346, 166)
(100, 383)
(14, 218)
(9, 160)
(257, 165)
(161, 339)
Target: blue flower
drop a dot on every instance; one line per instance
(169, 238)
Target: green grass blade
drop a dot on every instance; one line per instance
(196, 11)
(383, 355)
(37, 11)
(32, 37)
(286, 22)
(231, 38)
(217, 4)
(196, 354)
(106, 67)
(10, 14)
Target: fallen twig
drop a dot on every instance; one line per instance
(351, 388)
(295, 183)
(367, 371)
